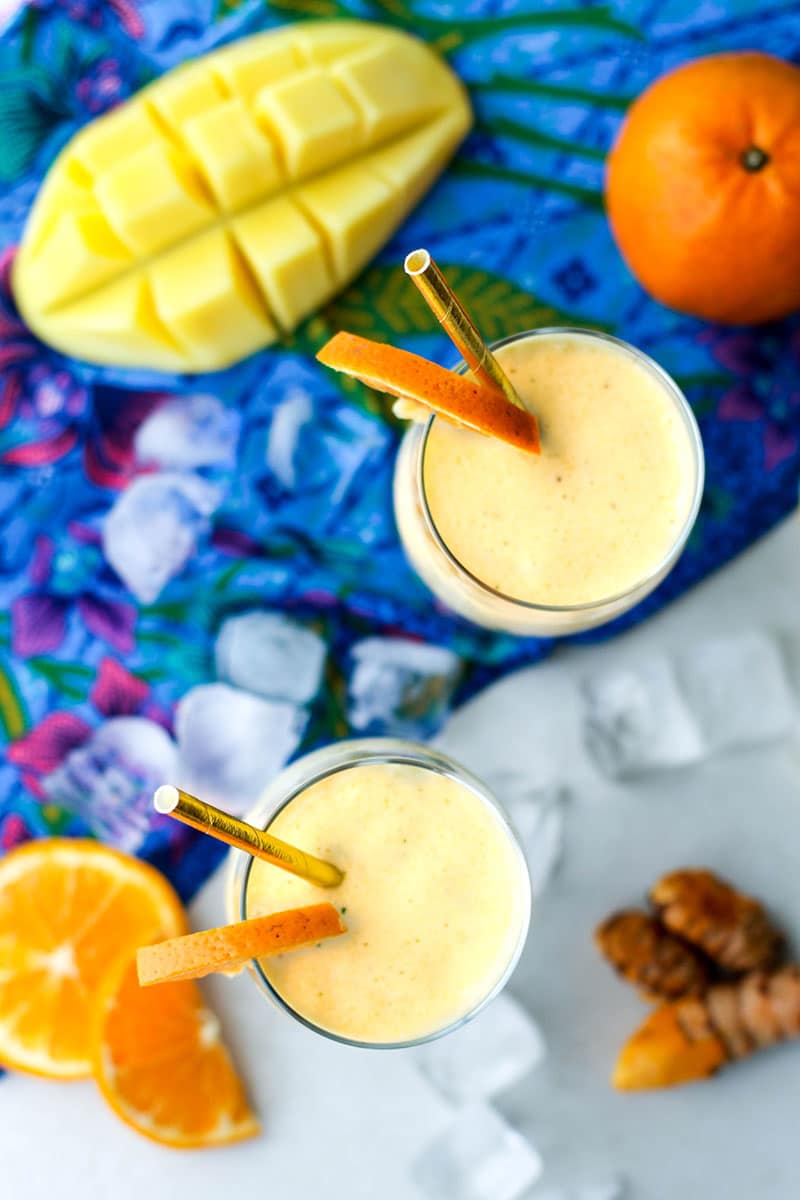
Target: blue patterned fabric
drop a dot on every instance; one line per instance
(271, 619)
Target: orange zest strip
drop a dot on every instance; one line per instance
(411, 377)
(231, 946)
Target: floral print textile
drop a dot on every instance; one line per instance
(200, 576)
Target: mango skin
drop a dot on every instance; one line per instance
(224, 203)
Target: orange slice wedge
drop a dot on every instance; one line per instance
(161, 1064)
(231, 946)
(659, 1054)
(421, 381)
(67, 908)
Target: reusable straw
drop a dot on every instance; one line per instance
(457, 324)
(226, 828)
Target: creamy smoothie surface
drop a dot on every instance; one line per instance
(603, 504)
(435, 898)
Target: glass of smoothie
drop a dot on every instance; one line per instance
(559, 542)
(436, 895)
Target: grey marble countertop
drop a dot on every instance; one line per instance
(345, 1124)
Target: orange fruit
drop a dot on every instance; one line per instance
(231, 946)
(421, 381)
(703, 188)
(160, 1063)
(67, 907)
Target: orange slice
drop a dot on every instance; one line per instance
(417, 379)
(659, 1054)
(231, 946)
(160, 1062)
(67, 908)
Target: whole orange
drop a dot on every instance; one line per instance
(703, 188)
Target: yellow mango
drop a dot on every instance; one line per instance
(89, 254)
(105, 142)
(224, 203)
(358, 210)
(255, 64)
(204, 294)
(287, 256)
(237, 159)
(390, 94)
(184, 94)
(410, 164)
(153, 198)
(315, 123)
(66, 196)
(121, 318)
(328, 41)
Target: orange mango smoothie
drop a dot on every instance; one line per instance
(594, 517)
(435, 897)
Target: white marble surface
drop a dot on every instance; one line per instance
(345, 1124)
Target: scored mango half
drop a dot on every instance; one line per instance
(227, 201)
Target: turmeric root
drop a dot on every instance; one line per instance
(692, 1038)
(650, 957)
(731, 928)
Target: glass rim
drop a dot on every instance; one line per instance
(675, 549)
(353, 752)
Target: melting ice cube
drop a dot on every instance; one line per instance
(738, 690)
(294, 411)
(485, 1056)
(152, 529)
(233, 743)
(536, 813)
(480, 1157)
(637, 720)
(109, 781)
(400, 687)
(271, 654)
(187, 432)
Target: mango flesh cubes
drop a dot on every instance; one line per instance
(227, 201)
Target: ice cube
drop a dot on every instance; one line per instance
(480, 1157)
(738, 689)
(789, 644)
(536, 813)
(637, 720)
(492, 1052)
(400, 687)
(109, 780)
(293, 412)
(189, 431)
(233, 743)
(271, 654)
(152, 529)
(322, 471)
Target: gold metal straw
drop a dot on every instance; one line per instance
(227, 828)
(457, 324)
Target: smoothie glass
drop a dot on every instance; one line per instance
(321, 764)
(466, 594)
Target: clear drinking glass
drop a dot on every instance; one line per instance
(338, 757)
(467, 595)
